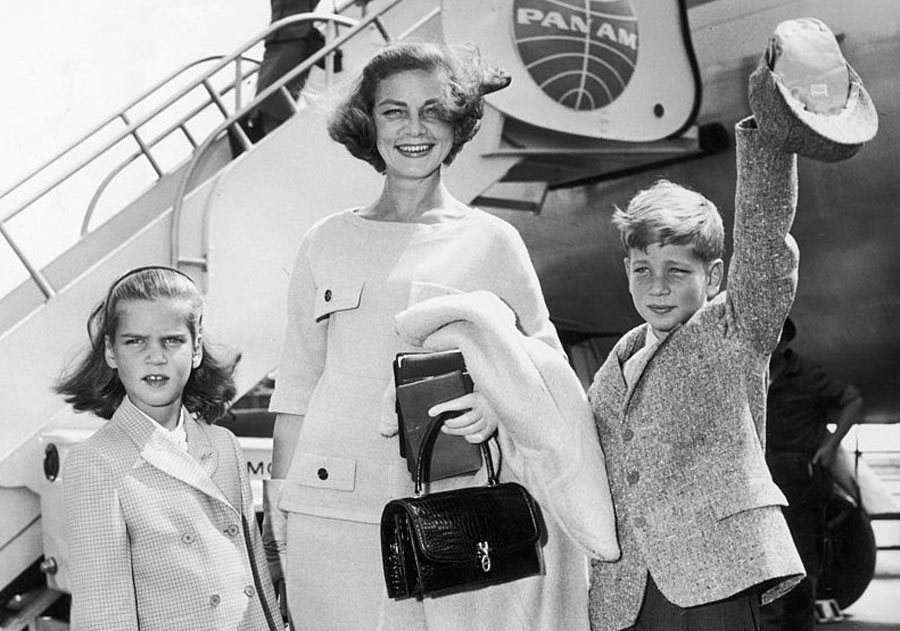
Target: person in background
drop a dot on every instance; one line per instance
(159, 512)
(336, 460)
(285, 49)
(802, 400)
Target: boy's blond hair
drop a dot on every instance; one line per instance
(668, 213)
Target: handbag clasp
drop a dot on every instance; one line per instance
(484, 556)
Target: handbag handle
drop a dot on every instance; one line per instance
(427, 447)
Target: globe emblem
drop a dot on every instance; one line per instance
(581, 53)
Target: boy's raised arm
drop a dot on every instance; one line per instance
(813, 105)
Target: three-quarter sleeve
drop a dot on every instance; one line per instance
(521, 290)
(303, 346)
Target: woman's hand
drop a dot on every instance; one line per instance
(476, 424)
(274, 539)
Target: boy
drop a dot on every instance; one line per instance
(680, 402)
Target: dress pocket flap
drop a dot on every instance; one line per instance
(338, 296)
(326, 472)
(756, 493)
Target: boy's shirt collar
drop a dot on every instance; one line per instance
(634, 365)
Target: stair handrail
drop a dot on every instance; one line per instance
(37, 276)
(332, 19)
(131, 129)
(86, 136)
(339, 7)
(179, 124)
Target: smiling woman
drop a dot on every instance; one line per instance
(412, 136)
(336, 456)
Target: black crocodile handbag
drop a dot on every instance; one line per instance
(452, 540)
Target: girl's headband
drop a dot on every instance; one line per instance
(145, 268)
(138, 270)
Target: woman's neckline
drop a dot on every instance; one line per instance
(444, 221)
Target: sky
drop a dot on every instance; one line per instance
(68, 64)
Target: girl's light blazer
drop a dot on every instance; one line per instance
(695, 504)
(155, 534)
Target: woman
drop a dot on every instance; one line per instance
(410, 113)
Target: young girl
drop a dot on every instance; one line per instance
(158, 501)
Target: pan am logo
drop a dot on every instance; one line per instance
(582, 53)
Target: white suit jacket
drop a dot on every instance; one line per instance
(155, 533)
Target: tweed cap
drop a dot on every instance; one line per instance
(805, 96)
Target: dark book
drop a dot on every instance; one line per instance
(423, 380)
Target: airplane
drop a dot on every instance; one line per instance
(536, 163)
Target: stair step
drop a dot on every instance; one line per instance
(526, 196)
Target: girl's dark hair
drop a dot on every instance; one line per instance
(468, 79)
(92, 386)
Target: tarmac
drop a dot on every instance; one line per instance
(878, 609)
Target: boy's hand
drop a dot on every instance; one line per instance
(476, 424)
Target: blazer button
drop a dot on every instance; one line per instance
(187, 538)
(232, 530)
(250, 591)
(322, 473)
(628, 434)
(214, 600)
(327, 295)
(633, 477)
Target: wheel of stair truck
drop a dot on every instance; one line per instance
(849, 549)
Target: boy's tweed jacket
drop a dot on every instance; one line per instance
(695, 504)
(155, 534)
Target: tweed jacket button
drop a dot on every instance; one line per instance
(322, 473)
(214, 600)
(633, 477)
(628, 434)
(327, 295)
(232, 530)
(187, 538)
(250, 591)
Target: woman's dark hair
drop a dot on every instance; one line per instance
(92, 386)
(468, 79)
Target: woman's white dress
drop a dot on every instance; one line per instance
(352, 276)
